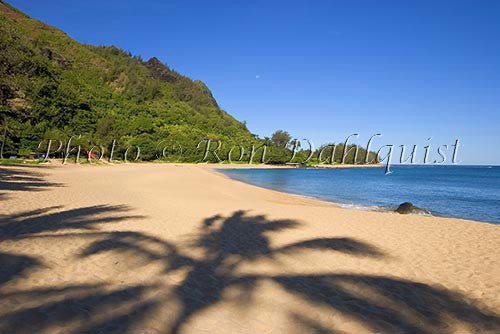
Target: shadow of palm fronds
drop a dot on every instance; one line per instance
(77, 309)
(30, 223)
(391, 305)
(16, 265)
(344, 245)
(24, 178)
(223, 245)
(43, 223)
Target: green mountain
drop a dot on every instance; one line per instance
(52, 86)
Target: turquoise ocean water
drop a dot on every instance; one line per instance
(470, 192)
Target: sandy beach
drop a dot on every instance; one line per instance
(179, 248)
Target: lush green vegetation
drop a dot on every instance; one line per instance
(19, 162)
(282, 147)
(52, 87)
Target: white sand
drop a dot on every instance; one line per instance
(160, 248)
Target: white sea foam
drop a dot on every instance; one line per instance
(355, 206)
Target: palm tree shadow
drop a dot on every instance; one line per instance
(223, 245)
(69, 306)
(237, 239)
(226, 243)
(16, 265)
(24, 178)
(78, 309)
(396, 305)
(386, 304)
(30, 223)
(45, 223)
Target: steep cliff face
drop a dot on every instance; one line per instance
(160, 71)
(195, 92)
(206, 92)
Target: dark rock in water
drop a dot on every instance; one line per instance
(407, 208)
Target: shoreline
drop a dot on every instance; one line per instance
(213, 167)
(328, 202)
(183, 236)
(350, 206)
(269, 166)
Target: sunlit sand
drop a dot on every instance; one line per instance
(164, 248)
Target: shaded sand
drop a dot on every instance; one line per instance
(156, 248)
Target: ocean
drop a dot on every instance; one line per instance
(470, 192)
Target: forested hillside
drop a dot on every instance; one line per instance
(52, 86)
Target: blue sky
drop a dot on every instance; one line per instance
(321, 70)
